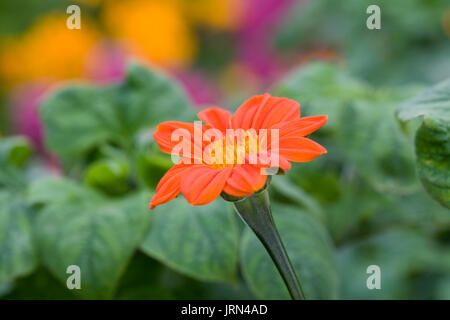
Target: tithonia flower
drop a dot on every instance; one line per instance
(201, 181)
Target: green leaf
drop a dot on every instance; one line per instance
(152, 164)
(98, 236)
(372, 140)
(199, 241)
(56, 190)
(152, 167)
(14, 151)
(109, 176)
(82, 113)
(309, 249)
(432, 103)
(17, 253)
(433, 158)
(432, 138)
(94, 116)
(18, 256)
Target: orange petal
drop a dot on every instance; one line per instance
(203, 184)
(163, 136)
(264, 111)
(275, 110)
(169, 185)
(284, 163)
(216, 118)
(244, 181)
(300, 149)
(300, 127)
(243, 117)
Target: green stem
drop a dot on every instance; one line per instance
(255, 211)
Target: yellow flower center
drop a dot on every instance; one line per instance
(234, 149)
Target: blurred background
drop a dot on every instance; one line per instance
(364, 195)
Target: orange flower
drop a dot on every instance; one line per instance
(154, 30)
(202, 180)
(48, 50)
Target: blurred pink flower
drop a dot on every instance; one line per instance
(106, 63)
(261, 16)
(25, 102)
(199, 87)
(255, 49)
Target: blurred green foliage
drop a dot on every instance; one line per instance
(411, 46)
(13, 23)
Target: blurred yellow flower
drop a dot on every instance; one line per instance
(93, 3)
(217, 14)
(48, 50)
(156, 30)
